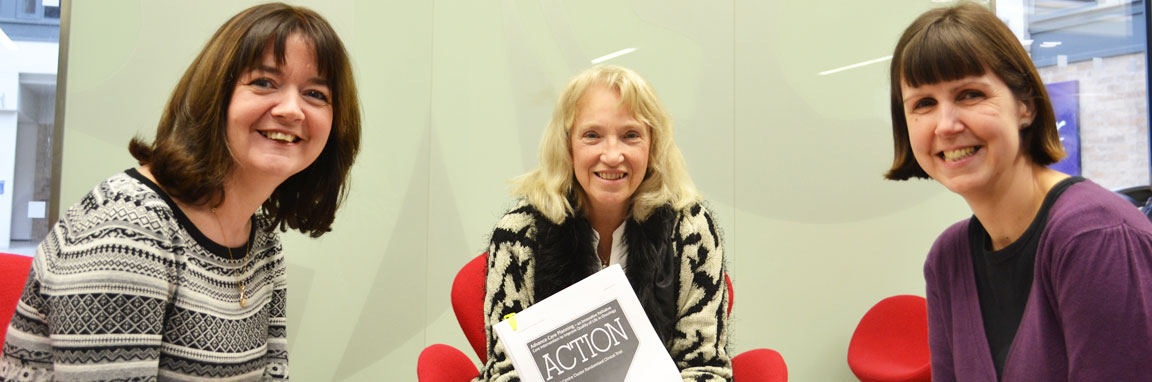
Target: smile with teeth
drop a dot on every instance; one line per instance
(279, 137)
(958, 154)
(611, 175)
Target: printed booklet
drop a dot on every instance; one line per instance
(594, 330)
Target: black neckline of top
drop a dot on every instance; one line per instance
(212, 247)
(1036, 227)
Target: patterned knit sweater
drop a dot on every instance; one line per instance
(675, 263)
(125, 288)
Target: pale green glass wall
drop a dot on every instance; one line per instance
(455, 94)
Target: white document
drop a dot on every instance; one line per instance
(594, 330)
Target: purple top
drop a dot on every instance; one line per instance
(1089, 315)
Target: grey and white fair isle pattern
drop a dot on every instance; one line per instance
(125, 288)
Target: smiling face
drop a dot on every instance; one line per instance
(609, 150)
(280, 116)
(966, 133)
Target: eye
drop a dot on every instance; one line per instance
(970, 95)
(923, 103)
(261, 83)
(590, 135)
(632, 135)
(317, 95)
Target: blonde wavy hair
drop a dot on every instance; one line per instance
(548, 187)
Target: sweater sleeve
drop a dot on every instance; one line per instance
(700, 339)
(93, 308)
(505, 289)
(277, 367)
(939, 320)
(27, 352)
(1102, 284)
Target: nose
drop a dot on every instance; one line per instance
(613, 154)
(288, 108)
(949, 121)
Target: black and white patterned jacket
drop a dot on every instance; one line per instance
(675, 263)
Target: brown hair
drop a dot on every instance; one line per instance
(190, 157)
(947, 44)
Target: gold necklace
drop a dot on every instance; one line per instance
(243, 296)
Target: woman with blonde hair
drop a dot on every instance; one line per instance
(612, 188)
(1051, 278)
(173, 270)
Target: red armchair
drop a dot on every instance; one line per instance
(891, 342)
(443, 363)
(13, 274)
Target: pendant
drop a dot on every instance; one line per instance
(243, 298)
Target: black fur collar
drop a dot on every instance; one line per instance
(565, 255)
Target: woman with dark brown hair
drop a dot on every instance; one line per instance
(1051, 278)
(173, 270)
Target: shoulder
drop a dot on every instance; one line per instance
(956, 233)
(695, 210)
(265, 227)
(694, 219)
(516, 229)
(1090, 227)
(121, 225)
(953, 241)
(267, 236)
(1085, 207)
(520, 215)
(517, 222)
(695, 232)
(123, 202)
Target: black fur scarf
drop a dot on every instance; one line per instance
(565, 255)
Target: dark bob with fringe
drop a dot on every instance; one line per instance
(947, 44)
(190, 157)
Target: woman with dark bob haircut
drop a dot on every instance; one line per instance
(173, 270)
(1051, 278)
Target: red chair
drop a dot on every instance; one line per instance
(443, 363)
(891, 342)
(13, 273)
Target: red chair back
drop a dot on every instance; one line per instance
(891, 342)
(731, 293)
(13, 274)
(468, 302)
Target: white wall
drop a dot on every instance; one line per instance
(29, 57)
(455, 94)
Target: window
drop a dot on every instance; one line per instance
(28, 9)
(1092, 57)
